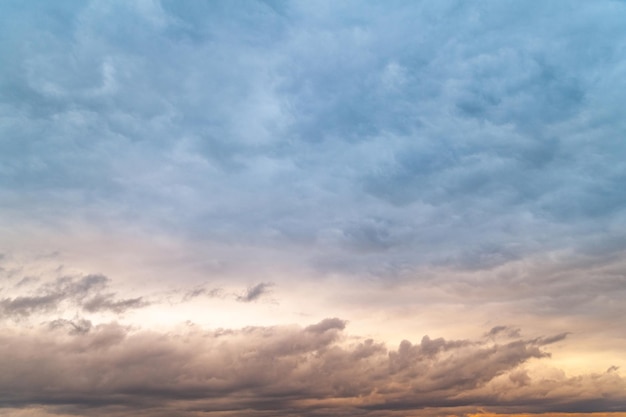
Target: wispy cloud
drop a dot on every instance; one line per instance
(255, 292)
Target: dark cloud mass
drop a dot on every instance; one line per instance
(112, 370)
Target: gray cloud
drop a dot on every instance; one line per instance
(24, 306)
(255, 292)
(288, 370)
(202, 291)
(506, 330)
(86, 293)
(107, 302)
(326, 325)
(478, 138)
(552, 339)
(78, 326)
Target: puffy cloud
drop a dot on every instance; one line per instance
(110, 369)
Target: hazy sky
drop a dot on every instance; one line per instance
(312, 208)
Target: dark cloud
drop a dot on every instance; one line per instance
(327, 324)
(202, 291)
(86, 293)
(255, 292)
(78, 326)
(289, 370)
(506, 330)
(107, 302)
(24, 306)
(552, 339)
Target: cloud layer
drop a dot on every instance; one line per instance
(113, 370)
(281, 192)
(90, 365)
(465, 133)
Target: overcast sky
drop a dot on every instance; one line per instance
(312, 208)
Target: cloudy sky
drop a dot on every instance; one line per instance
(312, 208)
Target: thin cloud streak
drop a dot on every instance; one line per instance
(85, 293)
(255, 292)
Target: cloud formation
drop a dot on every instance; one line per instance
(470, 134)
(444, 167)
(110, 369)
(87, 293)
(255, 292)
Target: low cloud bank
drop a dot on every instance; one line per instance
(75, 368)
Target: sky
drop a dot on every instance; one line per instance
(262, 208)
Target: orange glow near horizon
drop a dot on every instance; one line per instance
(609, 414)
